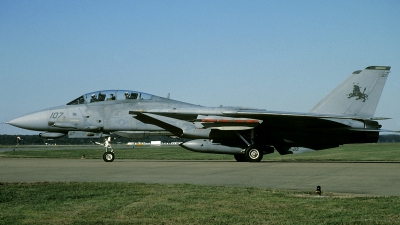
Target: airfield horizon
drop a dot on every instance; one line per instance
(377, 152)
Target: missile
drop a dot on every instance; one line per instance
(208, 146)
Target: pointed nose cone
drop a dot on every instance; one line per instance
(35, 121)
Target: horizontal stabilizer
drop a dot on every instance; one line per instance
(299, 150)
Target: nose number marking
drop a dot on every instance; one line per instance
(56, 115)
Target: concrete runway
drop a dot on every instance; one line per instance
(364, 178)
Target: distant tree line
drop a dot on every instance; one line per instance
(389, 138)
(36, 140)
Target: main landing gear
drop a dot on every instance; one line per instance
(108, 156)
(252, 153)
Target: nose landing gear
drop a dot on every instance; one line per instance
(108, 156)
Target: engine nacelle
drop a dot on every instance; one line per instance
(196, 133)
(207, 146)
(51, 135)
(141, 134)
(214, 134)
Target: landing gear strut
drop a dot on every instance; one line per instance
(108, 156)
(252, 153)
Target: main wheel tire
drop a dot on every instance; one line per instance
(239, 157)
(108, 156)
(253, 154)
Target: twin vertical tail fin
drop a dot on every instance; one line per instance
(358, 95)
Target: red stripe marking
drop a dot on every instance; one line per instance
(251, 121)
(209, 120)
(225, 121)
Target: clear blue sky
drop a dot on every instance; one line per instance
(275, 55)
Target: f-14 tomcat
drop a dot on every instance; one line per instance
(344, 116)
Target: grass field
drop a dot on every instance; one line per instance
(137, 203)
(354, 152)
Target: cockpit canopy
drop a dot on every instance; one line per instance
(110, 95)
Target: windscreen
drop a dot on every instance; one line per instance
(111, 95)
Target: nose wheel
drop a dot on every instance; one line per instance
(108, 156)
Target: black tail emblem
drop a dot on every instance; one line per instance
(357, 93)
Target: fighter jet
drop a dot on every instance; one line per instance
(344, 116)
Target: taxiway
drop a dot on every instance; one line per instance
(365, 178)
